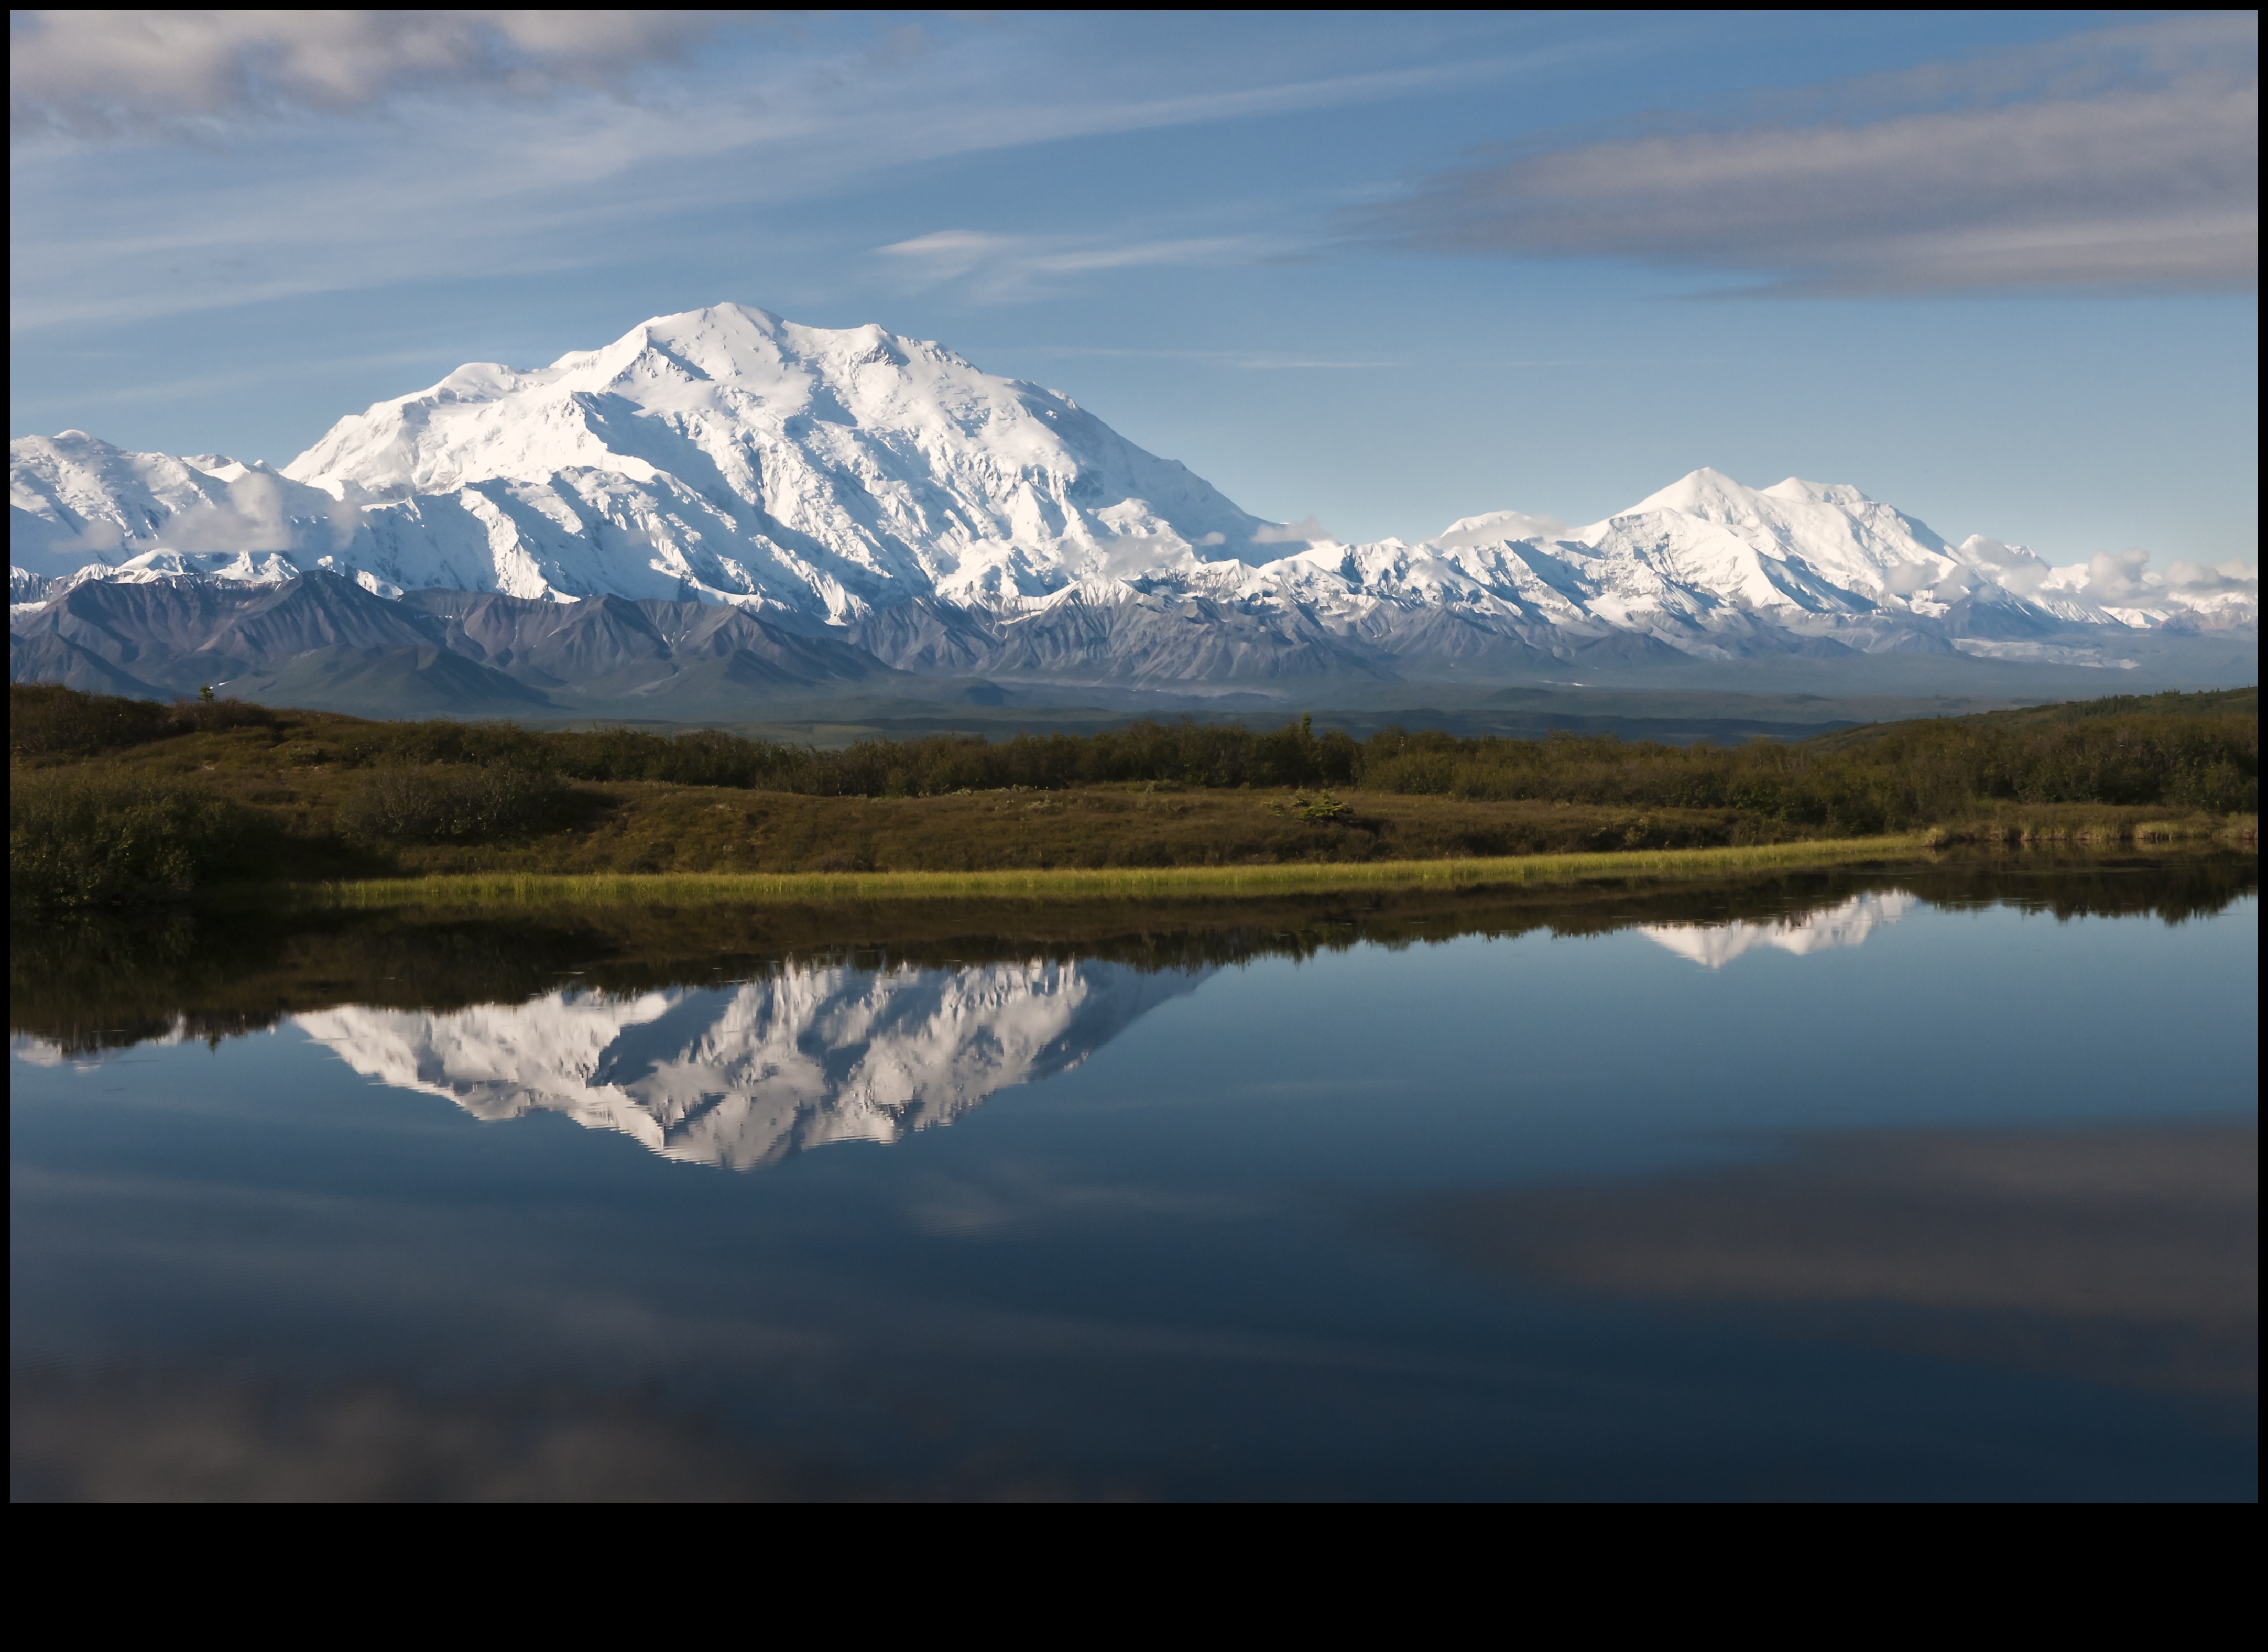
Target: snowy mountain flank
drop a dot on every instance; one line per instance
(726, 498)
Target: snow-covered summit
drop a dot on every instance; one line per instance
(729, 455)
(1858, 544)
(1714, 568)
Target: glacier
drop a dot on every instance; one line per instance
(852, 486)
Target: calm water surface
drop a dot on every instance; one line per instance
(1879, 1186)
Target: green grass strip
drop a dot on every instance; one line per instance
(686, 889)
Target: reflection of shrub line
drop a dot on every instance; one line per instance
(227, 967)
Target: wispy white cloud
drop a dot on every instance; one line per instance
(1240, 359)
(1300, 363)
(148, 73)
(1045, 120)
(1306, 531)
(451, 175)
(1001, 268)
(2124, 160)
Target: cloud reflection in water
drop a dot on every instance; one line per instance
(2127, 1256)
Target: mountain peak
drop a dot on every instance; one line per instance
(1715, 497)
(1702, 492)
(728, 453)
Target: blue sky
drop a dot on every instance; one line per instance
(1381, 270)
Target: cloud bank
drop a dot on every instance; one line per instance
(2122, 160)
(106, 72)
(2127, 579)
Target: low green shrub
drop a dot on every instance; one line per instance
(450, 804)
(76, 840)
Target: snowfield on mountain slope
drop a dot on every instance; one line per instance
(824, 477)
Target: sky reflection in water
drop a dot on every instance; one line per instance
(1916, 1201)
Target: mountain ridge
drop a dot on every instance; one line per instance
(882, 494)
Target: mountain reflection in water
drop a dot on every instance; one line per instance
(1713, 946)
(748, 1074)
(739, 1036)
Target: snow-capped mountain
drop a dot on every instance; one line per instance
(749, 1075)
(724, 455)
(1715, 568)
(883, 492)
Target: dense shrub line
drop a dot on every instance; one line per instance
(78, 836)
(77, 840)
(1911, 774)
(48, 720)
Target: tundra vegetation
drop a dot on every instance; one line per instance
(116, 800)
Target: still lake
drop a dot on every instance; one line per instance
(1919, 1183)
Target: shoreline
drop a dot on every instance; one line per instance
(666, 888)
(1238, 881)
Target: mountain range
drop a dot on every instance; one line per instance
(721, 507)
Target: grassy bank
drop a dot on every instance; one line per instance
(478, 888)
(2084, 826)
